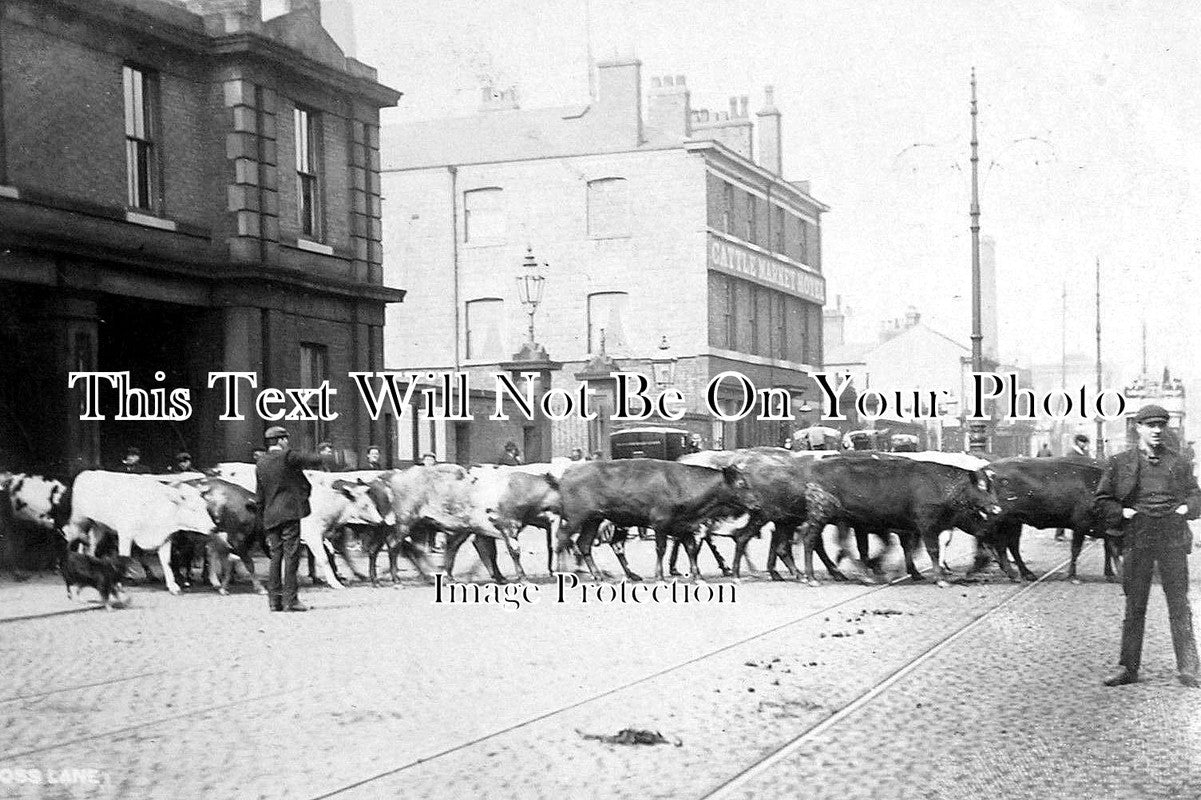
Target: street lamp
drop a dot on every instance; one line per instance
(664, 366)
(530, 285)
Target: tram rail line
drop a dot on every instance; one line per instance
(729, 787)
(869, 590)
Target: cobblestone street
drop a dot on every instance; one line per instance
(985, 688)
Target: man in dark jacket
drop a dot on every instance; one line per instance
(1148, 492)
(282, 494)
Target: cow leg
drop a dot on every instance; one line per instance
(486, 547)
(660, 552)
(819, 547)
(514, 548)
(450, 551)
(742, 538)
(871, 566)
(248, 564)
(584, 543)
(1014, 545)
(618, 545)
(164, 557)
(782, 549)
(371, 545)
(310, 536)
(1077, 545)
(692, 547)
(931, 539)
(721, 562)
(672, 558)
(341, 544)
(908, 542)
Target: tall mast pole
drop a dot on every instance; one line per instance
(977, 430)
(1063, 360)
(1100, 422)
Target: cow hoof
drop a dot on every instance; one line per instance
(916, 577)
(726, 572)
(868, 580)
(634, 577)
(175, 590)
(775, 576)
(223, 591)
(675, 574)
(1075, 581)
(1029, 576)
(942, 583)
(259, 590)
(838, 577)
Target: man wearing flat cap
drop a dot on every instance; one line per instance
(282, 494)
(1148, 493)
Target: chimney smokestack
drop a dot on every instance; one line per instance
(771, 150)
(312, 6)
(669, 106)
(619, 97)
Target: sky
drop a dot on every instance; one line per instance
(1089, 118)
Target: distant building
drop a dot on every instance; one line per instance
(909, 356)
(665, 236)
(184, 188)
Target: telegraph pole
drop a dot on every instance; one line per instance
(1100, 422)
(1063, 360)
(977, 429)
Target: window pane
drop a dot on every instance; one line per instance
(128, 76)
(483, 215)
(608, 207)
(485, 325)
(301, 137)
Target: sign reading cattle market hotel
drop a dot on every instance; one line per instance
(767, 270)
(667, 235)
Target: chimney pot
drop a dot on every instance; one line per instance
(656, 83)
(679, 80)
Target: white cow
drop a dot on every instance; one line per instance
(141, 509)
(333, 504)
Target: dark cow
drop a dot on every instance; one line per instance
(80, 570)
(882, 492)
(672, 498)
(235, 516)
(1046, 493)
(778, 479)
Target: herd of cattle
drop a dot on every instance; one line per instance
(790, 495)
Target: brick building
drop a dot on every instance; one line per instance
(656, 229)
(184, 188)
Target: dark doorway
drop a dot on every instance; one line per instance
(147, 339)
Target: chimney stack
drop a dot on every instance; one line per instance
(228, 16)
(668, 106)
(771, 155)
(619, 98)
(312, 6)
(732, 128)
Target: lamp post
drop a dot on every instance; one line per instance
(530, 285)
(532, 359)
(663, 367)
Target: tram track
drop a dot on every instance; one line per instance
(468, 743)
(732, 785)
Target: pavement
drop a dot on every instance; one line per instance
(984, 688)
